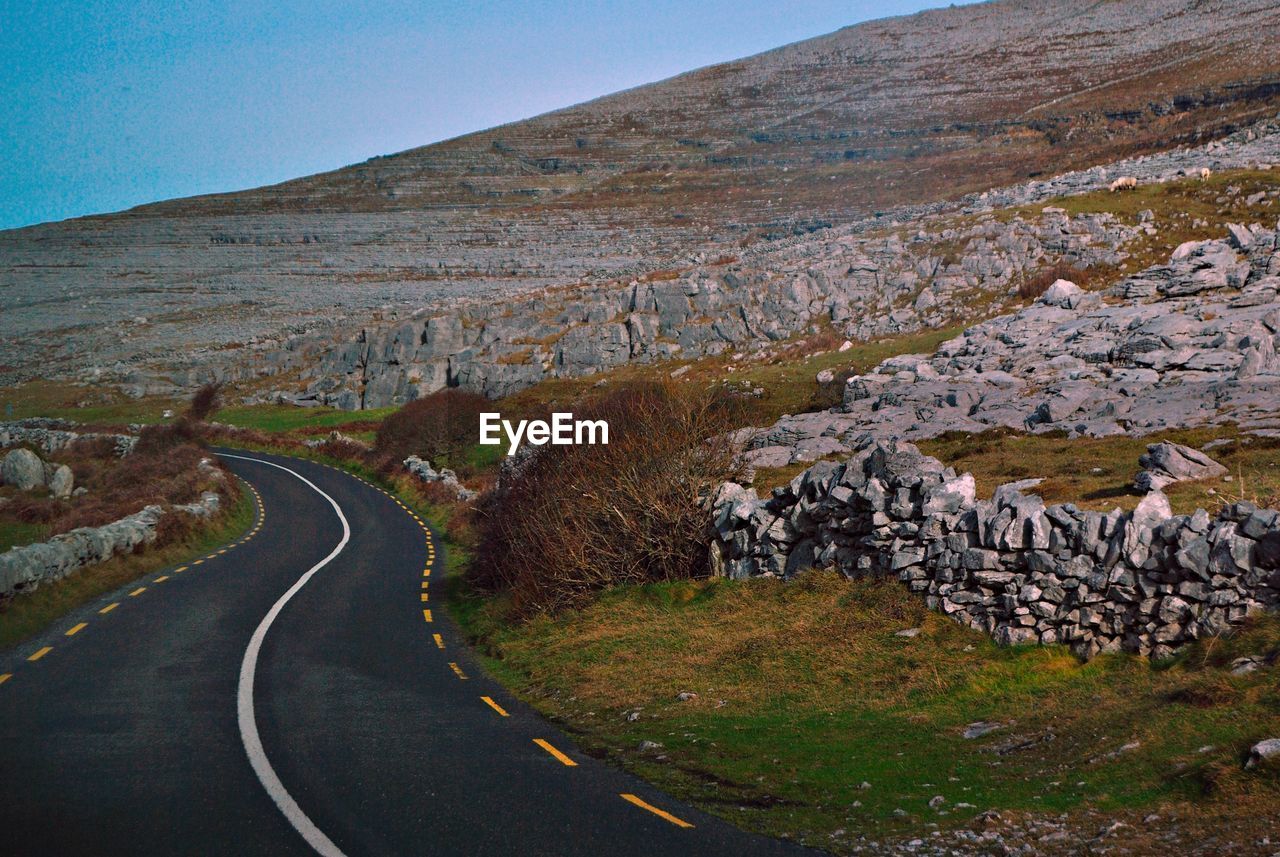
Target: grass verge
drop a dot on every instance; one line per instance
(15, 533)
(28, 614)
(802, 692)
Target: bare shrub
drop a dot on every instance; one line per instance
(578, 518)
(437, 427)
(205, 403)
(1038, 283)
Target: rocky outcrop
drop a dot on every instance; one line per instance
(1189, 343)
(53, 435)
(867, 286)
(778, 144)
(1144, 581)
(23, 569)
(1165, 463)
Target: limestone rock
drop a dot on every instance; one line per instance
(1263, 751)
(1165, 463)
(22, 469)
(61, 482)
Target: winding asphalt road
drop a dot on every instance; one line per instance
(296, 693)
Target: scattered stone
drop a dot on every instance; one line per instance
(423, 470)
(1263, 751)
(62, 482)
(980, 728)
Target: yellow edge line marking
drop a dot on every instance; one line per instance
(40, 654)
(457, 671)
(565, 760)
(137, 592)
(71, 632)
(678, 822)
(5, 677)
(425, 598)
(162, 578)
(426, 614)
(495, 706)
(439, 641)
(113, 605)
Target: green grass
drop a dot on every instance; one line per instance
(285, 418)
(81, 404)
(1176, 206)
(28, 614)
(15, 533)
(804, 692)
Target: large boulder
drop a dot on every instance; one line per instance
(1063, 293)
(1165, 463)
(22, 469)
(61, 482)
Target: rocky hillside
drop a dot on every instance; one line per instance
(1190, 342)
(903, 111)
(873, 277)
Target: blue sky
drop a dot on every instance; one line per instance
(105, 105)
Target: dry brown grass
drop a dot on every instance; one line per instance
(1032, 287)
(163, 470)
(1097, 473)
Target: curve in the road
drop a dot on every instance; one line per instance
(390, 736)
(248, 670)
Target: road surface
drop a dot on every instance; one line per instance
(299, 692)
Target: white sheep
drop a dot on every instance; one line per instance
(1124, 183)
(1205, 172)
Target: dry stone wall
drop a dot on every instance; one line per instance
(1144, 581)
(25, 568)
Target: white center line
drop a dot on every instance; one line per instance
(244, 693)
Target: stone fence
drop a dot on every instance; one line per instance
(1145, 581)
(23, 569)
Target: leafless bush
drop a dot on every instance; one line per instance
(1036, 284)
(579, 518)
(205, 403)
(437, 427)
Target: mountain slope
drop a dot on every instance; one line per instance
(942, 98)
(884, 113)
